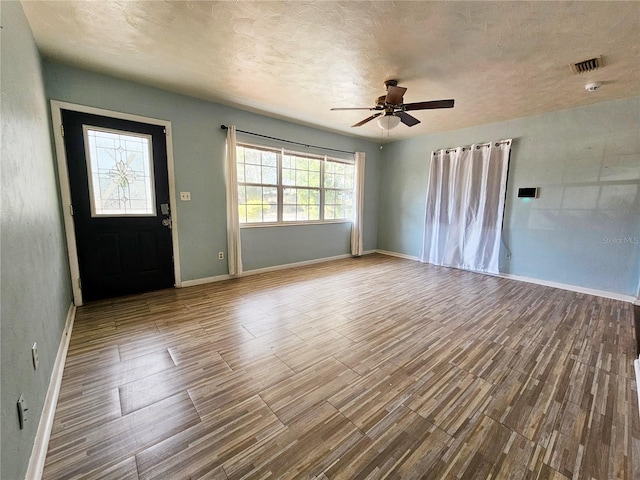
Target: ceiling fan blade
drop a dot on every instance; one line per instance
(367, 119)
(394, 95)
(407, 119)
(428, 105)
(354, 108)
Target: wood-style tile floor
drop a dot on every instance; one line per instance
(374, 367)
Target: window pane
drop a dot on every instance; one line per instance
(314, 212)
(270, 175)
(339, 175)
(348, 178)
(338, 181)
(301, 179)
(348, 211)
(288, 176)
(260, 167)
(257, 204)
(242, 213)
(338, 204)
(301, 213)
(289, 213)
(270, 214)
(301, 204)
(253, 173)
(254, 213)
(242, 194)
(303, 197)
(302, 163)
(240, 154)
(269, 159)
(301, 171)
(241, 177)
(120, 169)
(314, 178)
(289, 196)
(314, 165)
(269, 204)
(252, 156)
(330, 197)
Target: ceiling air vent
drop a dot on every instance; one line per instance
(586, 65)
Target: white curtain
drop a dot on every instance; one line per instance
(465, 205)
(234, 247)
(356, 229)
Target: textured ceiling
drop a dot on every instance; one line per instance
(296, 60)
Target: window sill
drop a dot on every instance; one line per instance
(293, 224)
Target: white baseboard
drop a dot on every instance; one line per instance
(293, 265)
(546, 283)
(569, 287)
(41, 442)
(220, 278)
(399, 255)
(202, 281)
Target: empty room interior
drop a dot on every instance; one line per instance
(320, 240)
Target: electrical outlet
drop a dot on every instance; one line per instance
(34, 355)
(220, 255)
(185, 196)
(22, 411)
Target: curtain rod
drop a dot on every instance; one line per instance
(224, 127)
(477, 145)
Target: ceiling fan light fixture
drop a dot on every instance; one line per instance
(388, 122)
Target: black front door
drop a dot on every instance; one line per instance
(120, 198)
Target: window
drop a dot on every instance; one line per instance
(280, 186)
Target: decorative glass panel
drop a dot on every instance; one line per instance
(120, 171)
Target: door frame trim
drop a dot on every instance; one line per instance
(65, 189)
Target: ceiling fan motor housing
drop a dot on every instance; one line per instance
(391, 109)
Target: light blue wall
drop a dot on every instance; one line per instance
(199, 148)
(584, 228)
(34, 287)
(271, 246)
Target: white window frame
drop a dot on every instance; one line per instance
(280, 152)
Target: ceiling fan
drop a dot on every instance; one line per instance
(390, 105)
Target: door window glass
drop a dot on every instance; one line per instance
(120, 171)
